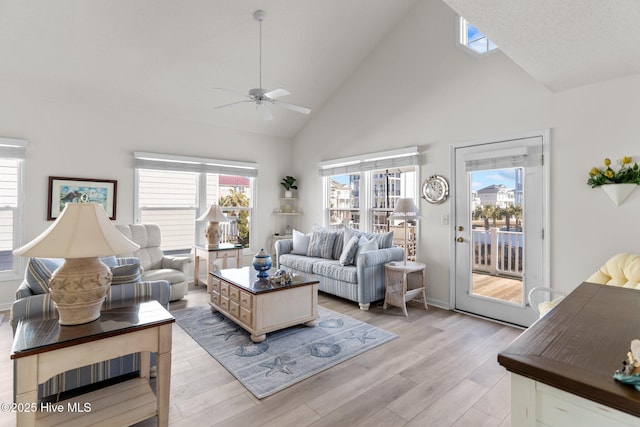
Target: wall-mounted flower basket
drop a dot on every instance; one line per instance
(618, 193)
(618, 185)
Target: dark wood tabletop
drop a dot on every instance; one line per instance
(578, 345)
(35, 336)
(247, 278)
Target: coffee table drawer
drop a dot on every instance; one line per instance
(246, 316)
(234, 294)
(215, 285)
(246, 300)
(224, 303)
(224, 289)
(215, 298)
(234, 309)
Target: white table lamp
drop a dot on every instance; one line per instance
(405, 210)
(213, 233)
(80, 235)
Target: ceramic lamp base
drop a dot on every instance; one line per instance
(78, 289)
(213, 233)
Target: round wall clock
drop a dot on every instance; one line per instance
(435, 189)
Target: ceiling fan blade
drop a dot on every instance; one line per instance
(229, 105)
(276, 93)
(294, 107)
(266, 113)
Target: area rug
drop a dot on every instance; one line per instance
(285, 357)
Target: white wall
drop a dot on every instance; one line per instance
(80, 140)
(418, 88)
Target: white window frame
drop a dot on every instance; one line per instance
(462, 39)
(16, 149)
(366, 165)
(202, 166)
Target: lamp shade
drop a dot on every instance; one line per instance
(213, 214)
(82, 230)
(405, 209)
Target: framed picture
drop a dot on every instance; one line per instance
(63, 190)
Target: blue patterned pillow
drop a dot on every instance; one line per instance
(39, 271)
(349, 251)
(321, 244)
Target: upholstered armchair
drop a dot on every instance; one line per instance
(155, 264)
(621, 270)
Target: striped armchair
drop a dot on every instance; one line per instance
(33, 301)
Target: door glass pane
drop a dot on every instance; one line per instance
(497, 234)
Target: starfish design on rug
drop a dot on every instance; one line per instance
(360, 336)
(229, 332)
(279, 364)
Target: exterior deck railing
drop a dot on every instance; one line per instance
(498, 252)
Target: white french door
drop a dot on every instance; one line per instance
(500, 226)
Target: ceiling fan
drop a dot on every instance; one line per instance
(261, 97)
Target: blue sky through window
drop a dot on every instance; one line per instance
(482, 179)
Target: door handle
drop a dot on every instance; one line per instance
(459, 240)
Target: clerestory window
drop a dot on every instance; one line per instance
(472, 38)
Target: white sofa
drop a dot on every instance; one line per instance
(359, 277)
(155, 264)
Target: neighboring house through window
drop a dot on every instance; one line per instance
(12, 155)
(172, 191)
(361, 192)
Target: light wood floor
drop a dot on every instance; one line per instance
(441, 371)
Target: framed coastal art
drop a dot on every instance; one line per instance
(63, 190)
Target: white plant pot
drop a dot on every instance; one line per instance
(288, 194)
(618, 193)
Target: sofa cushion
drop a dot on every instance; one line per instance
(126, 273)
(349, 251)
(385, 240)
(333, 270)
(168, 274)
(300, 243)
(301, 263)
(365, 245)
(39, 272)
(338, 245)
(321, 244)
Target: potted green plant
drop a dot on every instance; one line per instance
(288, 182)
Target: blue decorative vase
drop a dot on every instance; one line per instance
(262, 263)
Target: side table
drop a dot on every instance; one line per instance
(43, 348)
(404, 282)
(222, 252)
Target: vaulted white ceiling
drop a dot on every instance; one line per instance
(165, 56)
(562, 43)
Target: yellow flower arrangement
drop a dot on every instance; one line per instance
(627, 174)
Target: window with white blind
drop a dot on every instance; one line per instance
(362, 191)
(172, 191)
(12, 154)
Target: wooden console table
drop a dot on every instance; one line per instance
(562, 366)
(43, 348)
(224, 252)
